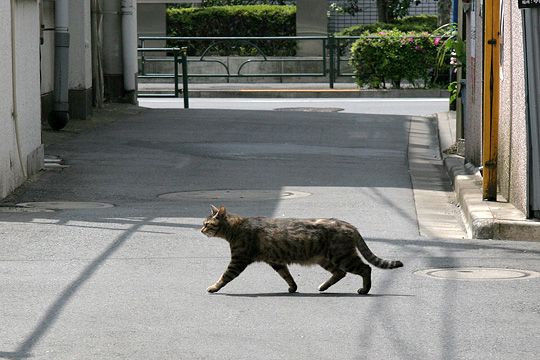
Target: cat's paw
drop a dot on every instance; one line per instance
(363, 291)
(212, 289)
(323, 287)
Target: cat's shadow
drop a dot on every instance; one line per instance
(305, 295)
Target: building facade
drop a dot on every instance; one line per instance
(21, 152)
(515, 161)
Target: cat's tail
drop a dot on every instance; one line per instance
(374, 259)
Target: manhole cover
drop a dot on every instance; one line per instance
(65, 205)
(311, 109)
(478, 273)
(248, 195)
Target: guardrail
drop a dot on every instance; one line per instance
(327, 60)
(177, 54)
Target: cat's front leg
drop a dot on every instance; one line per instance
(233, 270)
(283, 271)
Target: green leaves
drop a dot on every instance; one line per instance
(391, 56)
(238, 20)
(417, 23)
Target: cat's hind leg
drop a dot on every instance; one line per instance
(337, 275)
(355, 265)
(233, 270)
(283, 271)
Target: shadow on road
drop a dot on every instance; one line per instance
(312, 295)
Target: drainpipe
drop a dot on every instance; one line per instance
(129, 48)
(59, 117)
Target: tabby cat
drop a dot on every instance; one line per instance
(330, 243)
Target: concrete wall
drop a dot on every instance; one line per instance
(311, 20)
(512, 159)
(112, 49)
(152, 21)
(21, 153)
(473, 117)
(80, 59)
(47, 59)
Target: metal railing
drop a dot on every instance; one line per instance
(330, 66)
(334, 50)
(178, 54)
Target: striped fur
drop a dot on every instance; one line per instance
(330, 243)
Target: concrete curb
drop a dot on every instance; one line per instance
(291, 90)
(484, 219)
(317, 93)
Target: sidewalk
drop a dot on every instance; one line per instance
(483, 219)
(289, 90)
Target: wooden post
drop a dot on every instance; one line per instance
(491, 98)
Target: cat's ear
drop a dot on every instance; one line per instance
(222, 211)
(214, 210)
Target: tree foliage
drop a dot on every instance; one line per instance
(238, 20)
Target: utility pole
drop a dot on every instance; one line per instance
(490, 133)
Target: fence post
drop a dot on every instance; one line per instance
(185, 90)
(143, 61)
(175, 54)
(331, 48)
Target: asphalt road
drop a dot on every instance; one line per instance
(129, 281)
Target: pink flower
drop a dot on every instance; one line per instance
(436, 41)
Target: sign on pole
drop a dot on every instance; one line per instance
(524, 4)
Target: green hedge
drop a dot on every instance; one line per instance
(240, 20)
(417, 23)
(391, 56)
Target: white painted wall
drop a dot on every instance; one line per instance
(8, 168)
(47, 49)
(21, 152)
(80, 49)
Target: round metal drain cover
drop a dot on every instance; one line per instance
(311, 109)
(478, 273)
(247, 195)
(66, 205)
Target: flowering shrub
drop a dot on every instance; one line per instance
(452, 44)
(451, 53)
(391, 56)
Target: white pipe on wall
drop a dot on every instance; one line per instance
(129, 44)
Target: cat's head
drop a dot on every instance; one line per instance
(214, 222)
